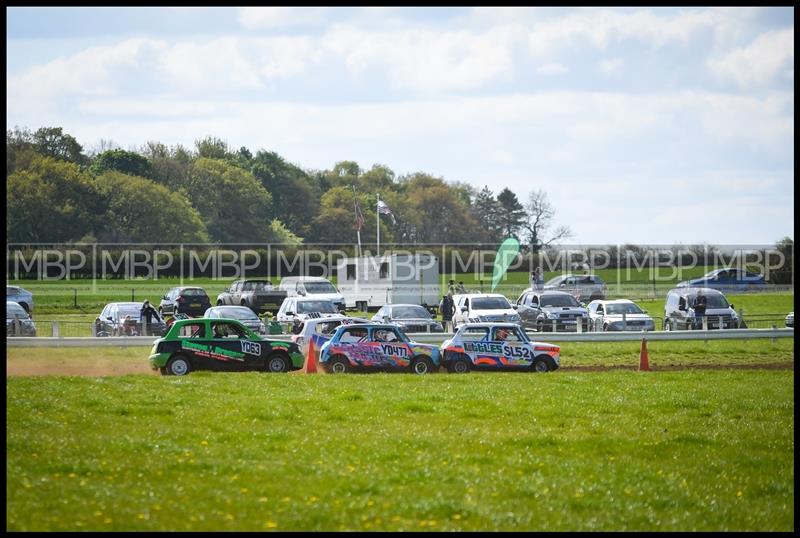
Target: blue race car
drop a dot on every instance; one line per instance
(727, 280)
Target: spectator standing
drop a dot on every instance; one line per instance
(700, 304)
(146, 315)
(447, 308)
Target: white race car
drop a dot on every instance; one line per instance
(497, 346)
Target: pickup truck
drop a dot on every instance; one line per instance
(258, 295)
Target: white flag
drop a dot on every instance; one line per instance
(383, 208)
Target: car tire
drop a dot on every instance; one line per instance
(542, 365)
(179, 365)
(277, 363)
(219, 303)
(667, 325)
(339, 365)
(422, 365)
(459, 366)
(605, 327)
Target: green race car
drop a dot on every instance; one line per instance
(221, 345)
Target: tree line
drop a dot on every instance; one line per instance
(57, 192)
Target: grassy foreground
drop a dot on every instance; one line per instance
(620, 450)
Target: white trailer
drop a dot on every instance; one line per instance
(367, 283)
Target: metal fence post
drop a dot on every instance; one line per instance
(75, 297)
(555, 326)
(55, 329)
(624, 321)
(579, 324)
(741, 317)
(132, 299)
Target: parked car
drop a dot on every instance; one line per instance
(243, 314)
(541, 309)
(497, 346)
(582, 287)
(258, 295)
(727, 280)
(790, 320)
(220, 345)
(679, 310)
(312, 287)
(483, 307)
(18, 321)
(321, 330)
(377, 346)
(411, 317)
(189, 300)
(21, 296)
(124, 319)
(618, 315)
(301, 308)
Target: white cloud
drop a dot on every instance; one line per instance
(760, 62)
(611, 66)
(255, 18)
(551, 69)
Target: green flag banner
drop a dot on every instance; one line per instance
(506, 254)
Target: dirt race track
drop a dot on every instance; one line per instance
(102, 367)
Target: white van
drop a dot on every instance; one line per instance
(483, 307)
(313, 287)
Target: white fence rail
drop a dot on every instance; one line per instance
(438, 338)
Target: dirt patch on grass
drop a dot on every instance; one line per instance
(99, 369)
(675, 367)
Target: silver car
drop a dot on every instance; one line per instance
(411, 317)
(242, 314)
(18, 321)
(21, 296)
(619, 315)
(582, 287)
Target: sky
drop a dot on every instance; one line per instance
(643, 125)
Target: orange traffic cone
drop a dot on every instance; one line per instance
(311, 359)
(644, 362)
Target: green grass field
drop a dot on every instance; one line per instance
(618, 450)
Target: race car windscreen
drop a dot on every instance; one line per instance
(559, 300)
(410, 312)
(323, 307)
(624, 308)
(490, 303)
(319, 287)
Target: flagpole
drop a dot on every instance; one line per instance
(358, 230)
(378, 224)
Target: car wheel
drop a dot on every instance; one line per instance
(543, 364)
(277, 363)
(459, 366)
(339, 365)
(179, 365)
(605, 327)
(667, 325)
(219, 303)
(423, 365)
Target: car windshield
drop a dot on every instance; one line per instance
(319, 287)
(239, 312)
(193, 292)
(257, 285)
(408, 312)
(324, 307)
(555, 281)
(623, 308)
(559, 300)
(715, 301)
(490, 303)
(15, 311)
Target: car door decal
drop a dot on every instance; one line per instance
(212, 351)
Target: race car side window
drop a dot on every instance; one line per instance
(353, 335)
(193, 330)
(506, 334)
(474, 334)
(227, 330)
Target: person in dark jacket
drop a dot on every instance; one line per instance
(146, 315)
(700, 304)
(447, 308)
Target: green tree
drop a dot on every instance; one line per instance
(140, 210)
(487, 213)
(51, 201)
(233, 204)
(294, 200)
(54, 142)
(169, 166)
(511, 215)
(212, 148)
(127, 162)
